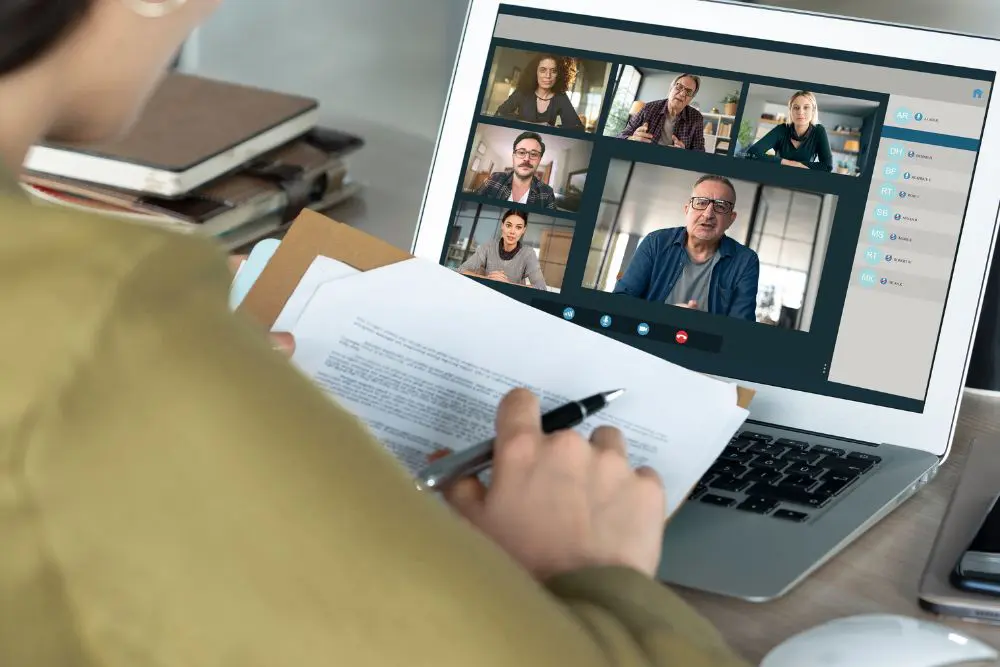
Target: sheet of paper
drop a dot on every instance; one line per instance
(423, 355)
(322, 270)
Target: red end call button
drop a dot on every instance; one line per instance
(681, 337)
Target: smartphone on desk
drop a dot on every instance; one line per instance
(978, 568)
(957, 580)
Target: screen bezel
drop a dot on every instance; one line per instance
(930, 431)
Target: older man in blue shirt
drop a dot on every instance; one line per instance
(697, 266)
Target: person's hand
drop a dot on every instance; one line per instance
(281, 341)
(642, 134)
(690, 304)
(558, 503)
(793, 163)
(497, 275)
(677, 143)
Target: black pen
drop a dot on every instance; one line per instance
(475, 459)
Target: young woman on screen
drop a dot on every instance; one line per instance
(800, 141)
(540, 96)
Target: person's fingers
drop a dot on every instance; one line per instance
(283, 342)
(466, 496)
(518, 431)
(692, 304)
(610, 439)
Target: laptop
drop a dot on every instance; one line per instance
(803, 204)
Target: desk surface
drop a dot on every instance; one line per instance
(878, 573)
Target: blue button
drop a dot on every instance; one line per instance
(605, 321)
(642, 329)
(569, 313)
(918, 116)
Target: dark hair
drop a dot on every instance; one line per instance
(718, 179)
(565, 74)
(512, 212)
(30, 28)
(530, 135)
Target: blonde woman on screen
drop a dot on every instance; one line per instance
(176, 494)
(800, 141)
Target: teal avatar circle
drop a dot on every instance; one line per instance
(896, 151)
(887, 192)
(882, 212)
(867, 278)
(890, 171)
(873, 256)
(876, 234)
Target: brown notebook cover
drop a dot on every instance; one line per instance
(190, 119)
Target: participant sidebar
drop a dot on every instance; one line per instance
(913, 218)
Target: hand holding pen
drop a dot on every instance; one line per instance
(559, 502)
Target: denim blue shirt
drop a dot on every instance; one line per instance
(660, 259)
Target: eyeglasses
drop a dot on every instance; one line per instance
(522, 153)
(718, 205)
(684, 90)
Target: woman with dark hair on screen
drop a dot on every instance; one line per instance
(540, 96)
(175, 493)
(507, 260)
(798, 142)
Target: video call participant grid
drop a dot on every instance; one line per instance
(514, 107)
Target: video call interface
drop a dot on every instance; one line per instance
(768, 212)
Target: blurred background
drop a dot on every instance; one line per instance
(381, 69)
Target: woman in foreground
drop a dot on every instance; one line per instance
(175, 494)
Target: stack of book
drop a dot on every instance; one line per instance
(231, 162)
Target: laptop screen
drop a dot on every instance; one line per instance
(765, 211)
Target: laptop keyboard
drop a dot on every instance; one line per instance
(782, 478)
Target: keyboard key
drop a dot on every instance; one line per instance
(789, 515)
(835, 483)
(725, 483)
(788, 494)
(794, 444)
(708, 477)
(830, 451)
(803, 457)
(733, 455)
(804, 470)
(765, 449)
(758, 505)
(762, 475)
(741, 443)
(756, 436)
(730, 469)
(696, 491)
(721, 501)
(846, 466)
(798, 481)
(768, 462)
(862, 456)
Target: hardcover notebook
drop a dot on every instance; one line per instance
(192, 131)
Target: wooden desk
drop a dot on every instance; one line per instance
(878, 573)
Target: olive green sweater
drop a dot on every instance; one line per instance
(173, 493)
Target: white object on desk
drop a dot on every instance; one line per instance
(423, 355)
(322, 270)
(878, 640)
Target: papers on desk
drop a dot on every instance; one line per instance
(423, 356)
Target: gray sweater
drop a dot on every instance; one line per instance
(523, 265)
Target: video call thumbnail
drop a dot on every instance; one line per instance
(674, 109)
(546, 88)
(734, 248)
(525, 167)
(509, 245)
(807, 130)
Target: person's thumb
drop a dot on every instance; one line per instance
(692, 304)
(466, 496)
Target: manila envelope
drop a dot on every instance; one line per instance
(313, 235)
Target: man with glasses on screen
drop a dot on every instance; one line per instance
(521, 185)
(670, 122)
(697, 266)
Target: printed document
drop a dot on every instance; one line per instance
(423, 355)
